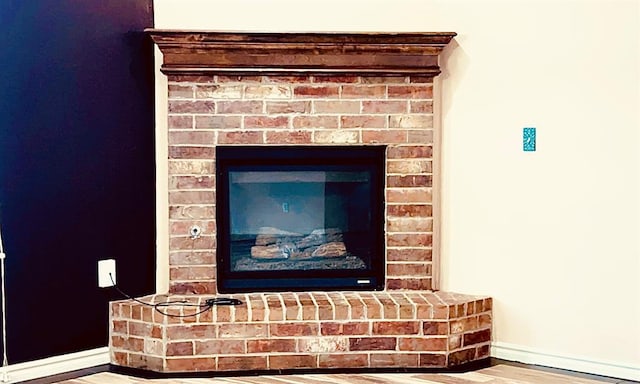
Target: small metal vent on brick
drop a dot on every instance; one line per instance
(300, 218)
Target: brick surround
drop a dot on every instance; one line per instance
(405, 326)
(304, 110)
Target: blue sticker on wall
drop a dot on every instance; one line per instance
(528, 139)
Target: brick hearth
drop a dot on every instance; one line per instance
(312, 90)
(305, 330)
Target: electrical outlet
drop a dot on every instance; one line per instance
(106, 267)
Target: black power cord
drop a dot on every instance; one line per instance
(209, 303)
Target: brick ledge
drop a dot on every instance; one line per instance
(274, 331)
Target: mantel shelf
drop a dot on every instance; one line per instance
(253, 53)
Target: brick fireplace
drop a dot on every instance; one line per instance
(314, 90)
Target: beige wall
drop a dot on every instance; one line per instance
(554, 235)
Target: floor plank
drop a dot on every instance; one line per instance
(498, 374)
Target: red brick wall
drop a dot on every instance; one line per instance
(261, 110)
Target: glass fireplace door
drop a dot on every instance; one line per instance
(310, 222)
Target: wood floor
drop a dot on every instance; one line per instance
(497, 374)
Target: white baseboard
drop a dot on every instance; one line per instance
(529, 355)
(55, 365)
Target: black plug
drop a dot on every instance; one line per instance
(223, 301)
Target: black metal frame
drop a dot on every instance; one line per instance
(284, 158)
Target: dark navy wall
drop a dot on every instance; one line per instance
(76, 166)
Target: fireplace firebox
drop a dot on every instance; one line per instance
(300, 218)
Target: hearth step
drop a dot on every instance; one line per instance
(276, 331)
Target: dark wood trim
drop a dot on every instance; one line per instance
(151, 375)
(246, 53)
(69, 375)
(134, 372)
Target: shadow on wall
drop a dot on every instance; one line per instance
(453, 59)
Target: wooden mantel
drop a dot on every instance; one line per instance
(249, 53)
